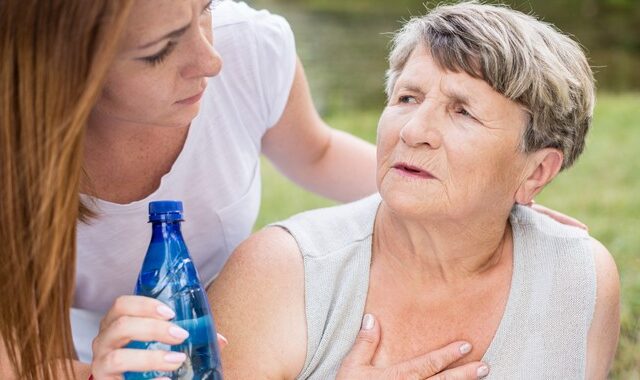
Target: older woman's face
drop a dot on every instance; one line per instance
(448, 144)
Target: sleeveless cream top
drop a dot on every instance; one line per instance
(543, 331)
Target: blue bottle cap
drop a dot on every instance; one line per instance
(165, 211)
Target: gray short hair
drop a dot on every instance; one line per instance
(522, 58)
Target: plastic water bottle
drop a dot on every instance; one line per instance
(168, 274)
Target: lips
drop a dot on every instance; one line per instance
(412, 171)
(192, 99)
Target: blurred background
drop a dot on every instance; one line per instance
(343, 45)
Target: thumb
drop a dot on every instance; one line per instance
(366, 342)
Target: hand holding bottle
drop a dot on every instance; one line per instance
(136, 339)
(137, 318)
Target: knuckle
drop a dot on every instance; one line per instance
(120, 323)
(459, 373)
(432, 365)
(120, 305)
(95, 345)
(102, 324)
(470, 372)
(115, 361)
(365, 337)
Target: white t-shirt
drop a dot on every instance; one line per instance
(217, 174)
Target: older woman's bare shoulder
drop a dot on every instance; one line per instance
(270, 248)
(258, 304)
(607, 288)
(268, 258)
(605, 325)
(607, 279)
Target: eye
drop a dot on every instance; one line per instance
(207, 8)
(460, 110)
(158, 58)
(407, 99)
(463, 112)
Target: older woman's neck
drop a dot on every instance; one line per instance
(444, 251)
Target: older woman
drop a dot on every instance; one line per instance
(486, 105)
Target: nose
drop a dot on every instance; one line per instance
(205, 60)
(422, 128)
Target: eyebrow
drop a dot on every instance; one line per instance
(448, 92)
(175, 34)
(409, 87)
(458, 96)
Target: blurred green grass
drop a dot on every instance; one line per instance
(602, 190)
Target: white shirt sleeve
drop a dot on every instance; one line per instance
(259, 61)
(276, 62)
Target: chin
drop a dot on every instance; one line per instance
(409, 204)
(180, 119)
(191, 111)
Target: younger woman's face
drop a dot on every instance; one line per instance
(161, 70)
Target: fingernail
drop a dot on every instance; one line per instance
(368, 322)
(223, 339)
(482, 371)
(465, 348)
(175, 357)
(165, 311)
(178, 332)
(162, 378)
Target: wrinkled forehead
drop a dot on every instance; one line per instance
(467, 60)
(423, 73)
(423, 68)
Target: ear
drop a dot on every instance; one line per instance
(545, 165)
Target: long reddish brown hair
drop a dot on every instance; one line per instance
(54, 58)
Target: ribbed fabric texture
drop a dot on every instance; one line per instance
(543, 331)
